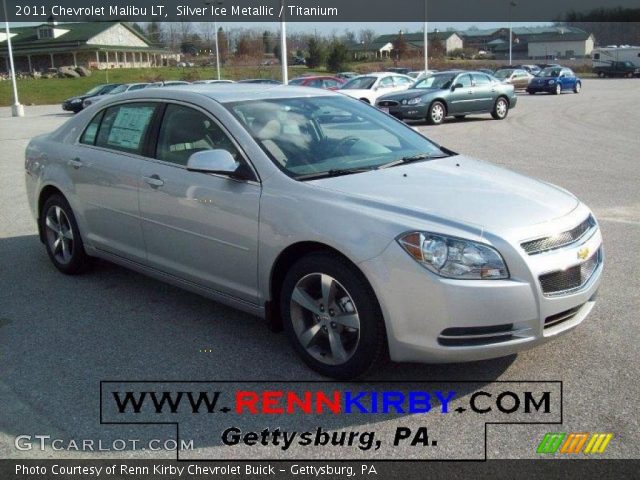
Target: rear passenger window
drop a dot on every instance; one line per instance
(90, 133)
(481, 79)
(124, 127)
(185, 131)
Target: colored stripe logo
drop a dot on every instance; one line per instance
(572, 443)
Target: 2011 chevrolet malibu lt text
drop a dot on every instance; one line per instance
(360, 237)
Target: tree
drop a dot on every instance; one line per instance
(154, 32)
(349, 36)
(338, 57)
(277, 52)
(400, 46)
(267, 41)
(317, 53)
(366, 36)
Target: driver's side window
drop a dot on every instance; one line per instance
(464, 80)
(386, 82)
(185, 131)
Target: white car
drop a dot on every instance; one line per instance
(418, 74)
(209, 82)
(372, 85)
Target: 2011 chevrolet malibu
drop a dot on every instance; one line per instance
(359, 236)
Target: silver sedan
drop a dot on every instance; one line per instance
(358, 236)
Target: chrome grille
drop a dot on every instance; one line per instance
(574, 278)
(387, 103)
(560, 240)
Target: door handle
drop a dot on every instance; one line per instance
(154, 181)
(75, 163)
(470, 92)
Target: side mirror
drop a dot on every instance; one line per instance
(457, 85)
(213, 161)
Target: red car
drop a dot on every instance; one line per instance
(318, 81)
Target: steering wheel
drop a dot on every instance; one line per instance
(349, 141)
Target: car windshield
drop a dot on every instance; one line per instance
(119, 89)
(360, 83)
(503, 73)
(96, 89)
(550, 72)
(439, 80)
(320, 136)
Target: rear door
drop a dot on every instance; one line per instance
(197, 226)
(484, 93)
(105, 168)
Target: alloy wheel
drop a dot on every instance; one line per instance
(437, 113)
(501, 108)
(325, 318)
(59, 234)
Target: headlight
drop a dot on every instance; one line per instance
(414, 101)
(551, 82)
(453, 257)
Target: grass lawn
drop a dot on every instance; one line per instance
(46, 91)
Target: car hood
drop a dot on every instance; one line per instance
(458, 189)
(355, 92)
(409, 93)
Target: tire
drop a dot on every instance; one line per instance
(62, 236)
(437, 113)
(531, 92)
(577, 87)
(500, 109)
(558, 89)
(339, 350)
(601, 74)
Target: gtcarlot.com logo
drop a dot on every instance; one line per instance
(573, 443)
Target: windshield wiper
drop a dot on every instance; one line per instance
(336, 172)
(413, 158)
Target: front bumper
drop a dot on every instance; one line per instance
(407, 112)
(438, 320)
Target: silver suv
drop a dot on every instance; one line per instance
(359, 236)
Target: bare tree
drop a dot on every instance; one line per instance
(366, 36)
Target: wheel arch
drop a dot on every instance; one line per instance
(281, 266)
(46, 192)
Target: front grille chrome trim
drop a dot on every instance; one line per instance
(545, 244)
(572, 279)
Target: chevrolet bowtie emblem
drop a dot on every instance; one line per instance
(583, 253)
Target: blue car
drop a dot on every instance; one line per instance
(555, 80)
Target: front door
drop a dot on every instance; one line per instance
(197, 226)
(462, 99)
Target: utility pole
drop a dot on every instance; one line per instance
(283, 47)
(17, 110)
(426, 39)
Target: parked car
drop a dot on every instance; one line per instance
(210, 82)
(451, 94)
(519, 78)
(617, 69)
(261, 80)
(125, 87)
(555, 80)
(485, 70)
(318, 81)
(74, 104)
(167, 83)
(356, 234)
(369, 87)
(347, 75)
(402, 70)
(532, 69)
(416, 74)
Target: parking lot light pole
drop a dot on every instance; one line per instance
(511, 5)
(17, 110)
(426, 39)
(215, 27)
(283, 47)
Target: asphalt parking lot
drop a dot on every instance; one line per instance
(59, 336)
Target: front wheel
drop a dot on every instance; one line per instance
(577, 87)
(558, 89)
(62, 237)
(332, 317)
(437, 113)
(500, 109)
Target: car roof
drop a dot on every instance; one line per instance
(228, 93)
